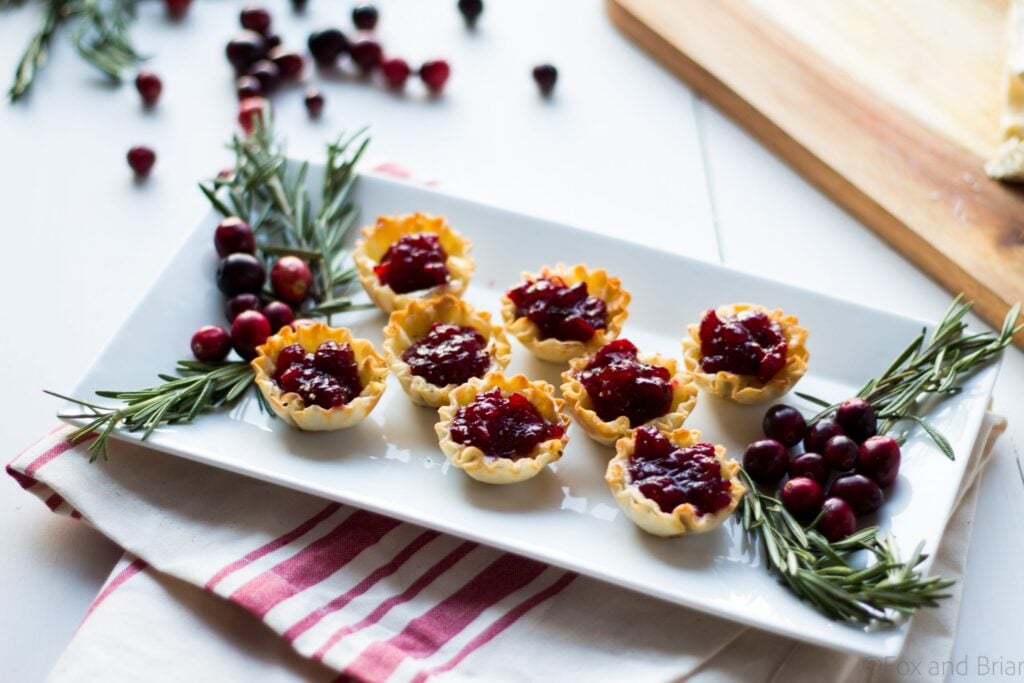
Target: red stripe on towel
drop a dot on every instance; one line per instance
(128, 572)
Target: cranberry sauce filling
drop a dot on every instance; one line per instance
(413, 263)
(328, 378)
(618, 384)
(502, 427)
(670, 475)
(560, 311)
(748, 344)
(449, 354)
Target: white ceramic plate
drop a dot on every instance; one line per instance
(391, 463)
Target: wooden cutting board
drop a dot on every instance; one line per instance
(890, 107)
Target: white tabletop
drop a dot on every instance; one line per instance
(622, 148)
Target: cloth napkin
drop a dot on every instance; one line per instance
(228, 578)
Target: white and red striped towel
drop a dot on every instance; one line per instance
(374, 599)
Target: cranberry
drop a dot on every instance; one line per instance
(396, 71)
(448, 354)
(841, 453)
(364, 17)
(837, 520)
(818, 435)
(248, 86)
(238, 273)
(211, 344)
(802, 497)
(558, 310)
(141, 159)
(289, 64)
(502, 426)
(785, 424)
(366, 53)
(240, 303)
(416, 261)
(671, 476)
(879, 459)
(314, 103)
(327, 378)
(267, 73)
(250, 113)
(249, 330)
(857, 418)
(279, 314)
(177, 9)
(810, 465)
(766, 461)
(255, 19)
(545, 75)
(149, 86)
(271, 41)
(471, 11)
(291, 279)
(748, 344)
(327, 45)
(863, 495)
(434, 74)
(234, 235)
(245, 49)
(619, 384)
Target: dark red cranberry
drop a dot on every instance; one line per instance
(279, 314)
(448, 354)
(766, 461)
(314, 103)
(246, 301)
(502, 426)
(802, 497)
(857, 418)
(810, 465)
(434, 74)
(238, 273)
(366, 53)
(248, 86)
(396, 71)
(177, 9)
(618, 384)
(211, 344)
(749, 343)
(785, 424)
(149, 86)
(558, 310)
(364, 17)
(818, 435)
(267, 73)
(271, 41)
(291, 279)
(546, 75)
(234, 235)
(671, 476)
(289, 63)
(249, 330)
(250, 113)
(879, 459)
(841, 453)
(471, 11)
(837, 520)
(245, 49)
(416, 261)
(327, 45)
(255, 19)
(141, 159)
(863, 495)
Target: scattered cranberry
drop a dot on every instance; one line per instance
(291, 279)
(141, 159)
(837, 520)
(238, 273)
(545, 75)
(841, 453)
(240, 303)
(149, 86)
(863, 495)
(802, 496)
(211, 344)
(327, 45)
(818, 435)
(289, 63)
(245, 49)
(249, 330)
(267, 73)
(471, 11)
(364, 17)
(810, 465)
(279, 314)
(879, 459)
(366, 53)
(396, 71)
(785, 424)
(248, 86)
(314, 103)
(250, 113)
(434, 74)
(766, 461)
(233, 235)
(177, 8)
(857, 418)
(255, 19)
(271, 41)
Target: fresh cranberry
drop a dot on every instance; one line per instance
(267, 73)
(250, 113)
(249, 330)
(837, 520)
(766, 461)
(416, 261)
(279, 314)
(364, 17)
(471, 11)
(857, 418)
(558, 310)
(246, 301)
(879, 459)
(245, 49)
(248, 86)
(291, 279)
(149, 86)
(234, 235)
(314, 103)
(671, 476)
(618, 384)
(545, 75)
(841, 453)
(238, 273)
(271, 41)
(818, 435)
(502, 426)
(748, 344)
(785, 424)
(863, 495)
(255, 19)
(211, 344)
(434, 74)
(327, 378)
(141, 160)
(366, 53)
(396, 71)
(810, 465)
(177, 9)
(448, 354)
(327, 45)
(289, 63)
(802, 497)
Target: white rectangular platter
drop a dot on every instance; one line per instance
(391, 463)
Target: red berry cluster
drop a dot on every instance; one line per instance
(843, 448)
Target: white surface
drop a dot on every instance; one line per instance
(616, 149)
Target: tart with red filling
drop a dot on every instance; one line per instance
(405, 258)
(319, 378)
(618, 389)
(438, 344)
(503, 430)
(671, 483)
(564, 312)
(746, 353)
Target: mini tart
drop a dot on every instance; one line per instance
(413, 322)
(746, 389)
(684, 398)
(389, 229)
(646, 513)
(599, 284)
(373, 370)
(494, 470)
